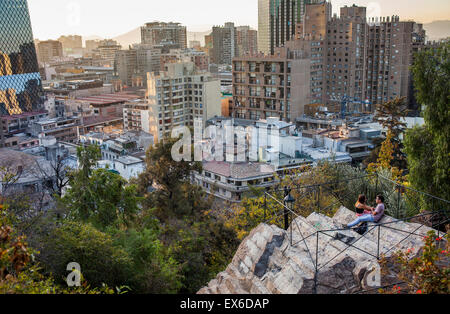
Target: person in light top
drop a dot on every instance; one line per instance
(375, 215)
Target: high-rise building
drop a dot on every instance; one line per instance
(125, 65)
(158, 33)
(20, 81)
(178, 96)
(271, 85)
(49, 50)
(246, 41)
(345, 57)
(277, 20)
(224, 47)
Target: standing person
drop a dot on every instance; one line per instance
(375, 215)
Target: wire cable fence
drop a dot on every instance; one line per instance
(400, 200)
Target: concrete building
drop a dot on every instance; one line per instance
(229, 181)
(178, 96)
(271, 86)
(71, 44)
(246, 41)
(125, 65)
(91, 45)
(199, 58)
(106, 51)
(62, 129)
(224, 47)
(367, 60)
(49, 50)
(277, 21)
(157, 33)
(148, 59)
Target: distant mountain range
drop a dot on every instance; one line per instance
(134, 36)
(435, 30)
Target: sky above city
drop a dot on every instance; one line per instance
(110, 18)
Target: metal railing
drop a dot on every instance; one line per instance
(399, 198)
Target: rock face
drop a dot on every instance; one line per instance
(270, 260)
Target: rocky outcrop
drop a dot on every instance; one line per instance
(272, 260)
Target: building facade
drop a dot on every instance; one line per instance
(271, 86)
(20, 81)
(157, 33)
(224, 47)
(277, 21)
(178, 96)
(49, 50)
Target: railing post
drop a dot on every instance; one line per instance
(292, 223)
(318, 199)
(398, 202)
(378, 243)
(317, 263)
(376, 184)
(265, 205)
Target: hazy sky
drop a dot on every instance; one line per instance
(109, 18)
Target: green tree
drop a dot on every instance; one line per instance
(19, 274)
(103, 199)
(153, 270)
(174, 194)
(197, 238)
(101, 261)
(431, 72)
(390, 115)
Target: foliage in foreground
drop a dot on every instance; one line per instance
(426, 273)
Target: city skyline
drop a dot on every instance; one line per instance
(99, 18)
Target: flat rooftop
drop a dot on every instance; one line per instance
(109, 99)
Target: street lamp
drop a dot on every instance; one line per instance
(289, 204)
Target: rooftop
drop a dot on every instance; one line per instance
(109, 99)
(242, 170)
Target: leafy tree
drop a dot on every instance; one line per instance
(152, 270)
(196, 238)
(203, 249)
(101, 261)
(174, 194)
(390, 115)
(386, 159)
(431, 72)
(18, 272)
(103, 199)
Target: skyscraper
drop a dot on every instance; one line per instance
(20, 81)
(276, 22)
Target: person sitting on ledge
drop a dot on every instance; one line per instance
(375, 215)
(361, 207)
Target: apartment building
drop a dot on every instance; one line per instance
(199, 58)
(271, 86)
(246, 41)
(125, 65)
(157, 33)
(49, 50)
(63, 129)
(179, 95)
(224, 47)
(106, 51)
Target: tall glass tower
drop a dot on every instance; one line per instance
(276, 22)
(20, 81)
